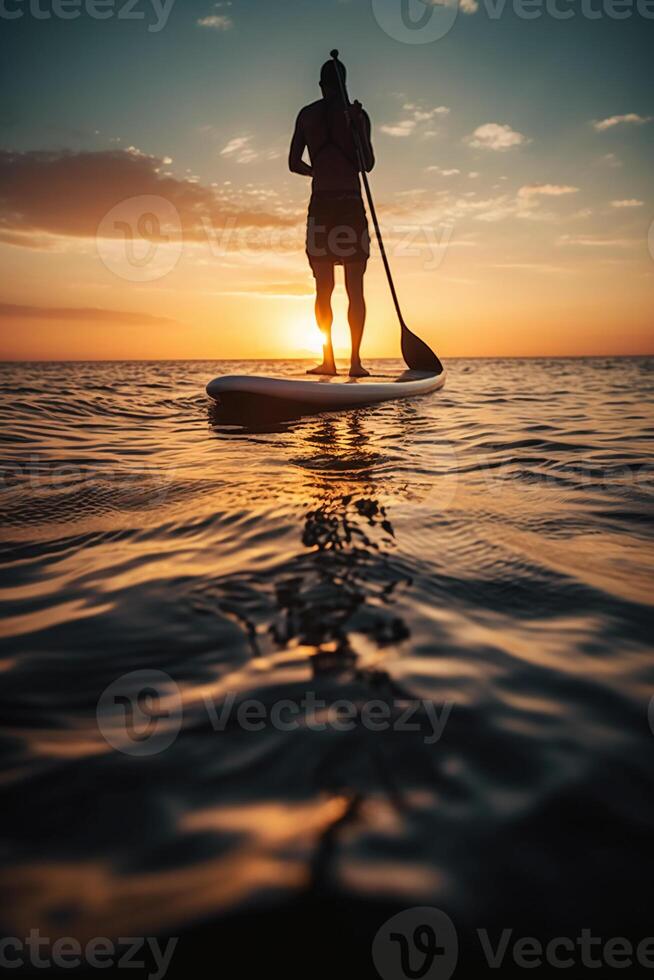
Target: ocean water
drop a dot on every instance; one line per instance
(275, 681)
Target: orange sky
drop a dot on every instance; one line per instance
(228, 307)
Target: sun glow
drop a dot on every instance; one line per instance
(306, 337)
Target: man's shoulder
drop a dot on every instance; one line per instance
(310, 110)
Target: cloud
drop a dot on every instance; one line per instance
(240, 149)
(47, 195)
(497, 208)
(442, 173)
(546, 190)
(216, 22)
(630, 117)
(13, 311)
(465, 6)
(281, 290)
(631, 202)
(434, 207)
(590, 241)
(495, 136)
(416, 120)
(448, 207)
(403, 128)
(610, 160)
(532, 267)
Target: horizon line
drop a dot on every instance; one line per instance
(191, 360)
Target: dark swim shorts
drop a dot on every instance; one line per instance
(337, 228)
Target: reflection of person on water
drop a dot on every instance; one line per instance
(337, 229)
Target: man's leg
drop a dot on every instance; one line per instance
(324, 275)
(356, 314)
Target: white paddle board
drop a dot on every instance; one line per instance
(324, 392)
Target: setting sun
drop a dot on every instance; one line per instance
(305, 337)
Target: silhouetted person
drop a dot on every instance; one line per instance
(337, 228)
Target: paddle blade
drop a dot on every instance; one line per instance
(417, 355)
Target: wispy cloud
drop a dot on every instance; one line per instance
(610, 160)
(416, 120)
(592, 241)
(546, 190)
(447, 207)
(240, 149)
(630, 117)
(13, 311)
(465, 6)
(442, 172)
(533, 267)
(424, 206)
(217, 22)
(631, 202)
(495, 136)
(279, 290)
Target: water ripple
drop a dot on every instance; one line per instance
(480, 557)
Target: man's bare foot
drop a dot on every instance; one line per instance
(357, 370)
(326, 367)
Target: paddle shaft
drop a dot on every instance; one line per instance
(364, 177)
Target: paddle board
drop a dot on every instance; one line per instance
(323, 392)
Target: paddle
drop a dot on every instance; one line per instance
(416, 353)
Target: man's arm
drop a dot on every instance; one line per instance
(295, 162)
